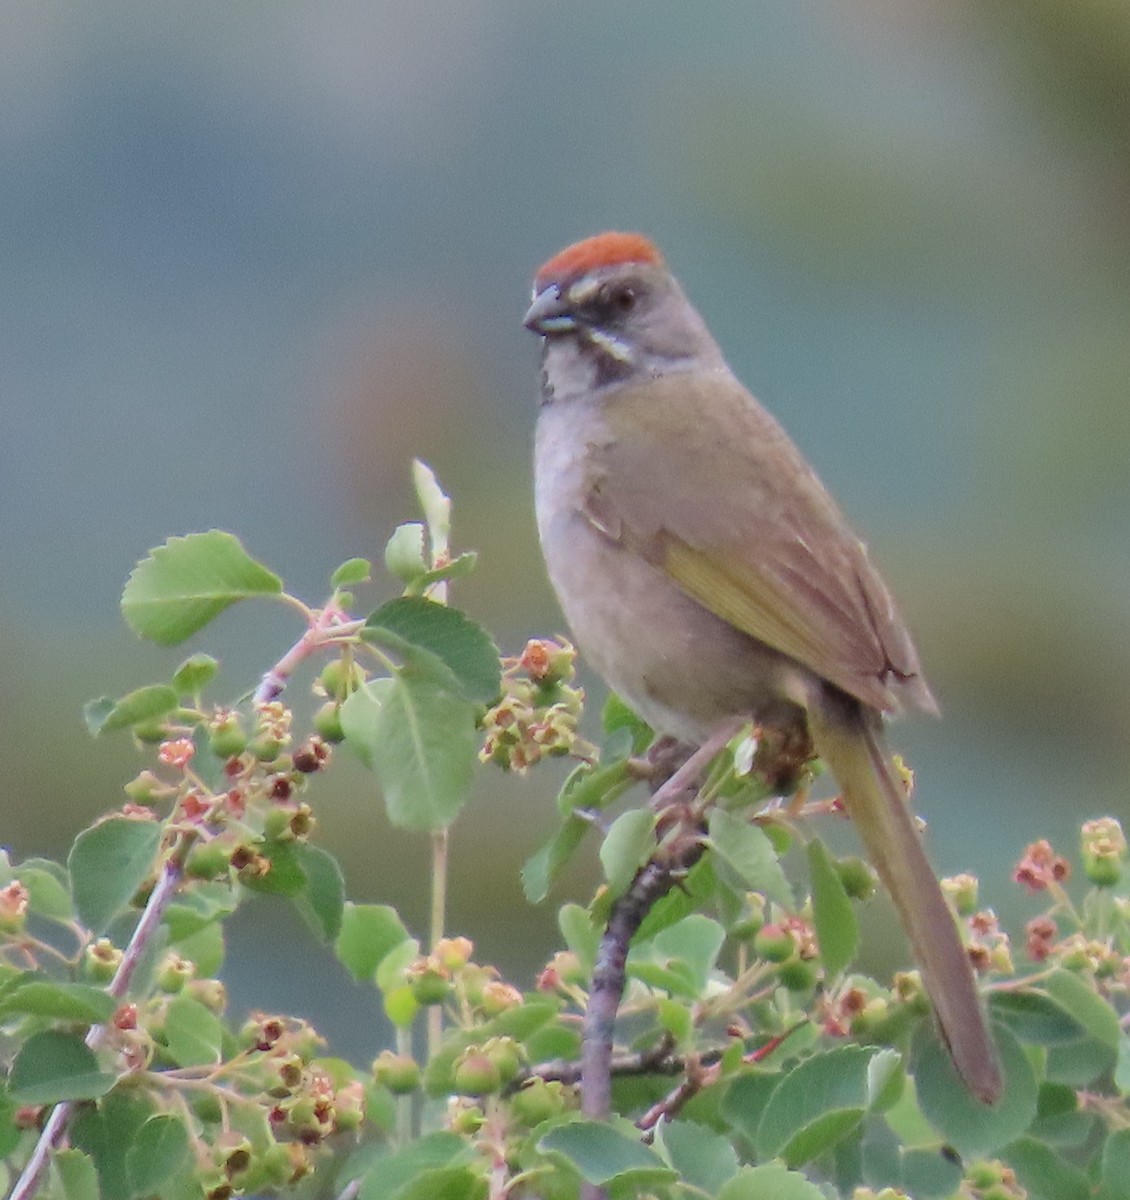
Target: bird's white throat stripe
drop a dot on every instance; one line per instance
(612, 346)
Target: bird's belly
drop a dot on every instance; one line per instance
(683, 669)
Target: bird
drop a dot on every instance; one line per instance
(707, 575)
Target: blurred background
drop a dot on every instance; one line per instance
(256, 257)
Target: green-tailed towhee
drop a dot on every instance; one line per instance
(707, 575)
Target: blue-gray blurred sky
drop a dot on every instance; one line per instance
(257, 256)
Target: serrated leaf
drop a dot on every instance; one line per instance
(351, 572)
(368, 932)
(748, 852)
(52, 1066)
(108, 863)
(837, 930)
(193, 1033)
(465, 648)
(194, 674)
(704, 1159)
(602, 1153)
(819, 1102)
(77, 1174)
(185, 583)
(159, 1152)
(53, 998)
(773, 1181)
(976, 1130)
(627, 845)
(424, 751)
(145, 704)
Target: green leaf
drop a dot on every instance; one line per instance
(404, 552)
(322, 900)
(455, 568)
(42, 997)
(1080, 1062)
(580, 934)
(1116, 1166)
(602, 1153)
(389, 1173)
(773, 1181)
(194, 674)
(1085, 1005)
(746, 1098)
(544, 866)
(188, 581)
(108, 863)
(1033, 1016)
(106, 1131)
(976, 1130)
(446, 1183)
(616, 715)
(286, 876)
(145, 704)
(159, 1152)
(368, 932)
(837, 930)
(77, 1174)
(411, 622)
(351, 572)
(360, 713)
(434, 504)
(749, 854)
(424, 751)
(48, 887)
(53, 1066)
(695, 941)
(1044, 1174)
(822, 1101)
(703, 1158)
(628, 844)
(193, 1033)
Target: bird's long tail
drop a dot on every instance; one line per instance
(850, 740)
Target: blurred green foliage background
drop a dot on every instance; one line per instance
(257, 256)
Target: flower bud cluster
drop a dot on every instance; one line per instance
(539, 710)
(1041, 867)
(988, 946)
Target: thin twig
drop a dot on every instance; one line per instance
(330, 624)
(163, 891)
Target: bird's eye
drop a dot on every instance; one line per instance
(619, 298)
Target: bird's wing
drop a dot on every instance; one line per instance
(732, 513)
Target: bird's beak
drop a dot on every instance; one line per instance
(550, 314)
